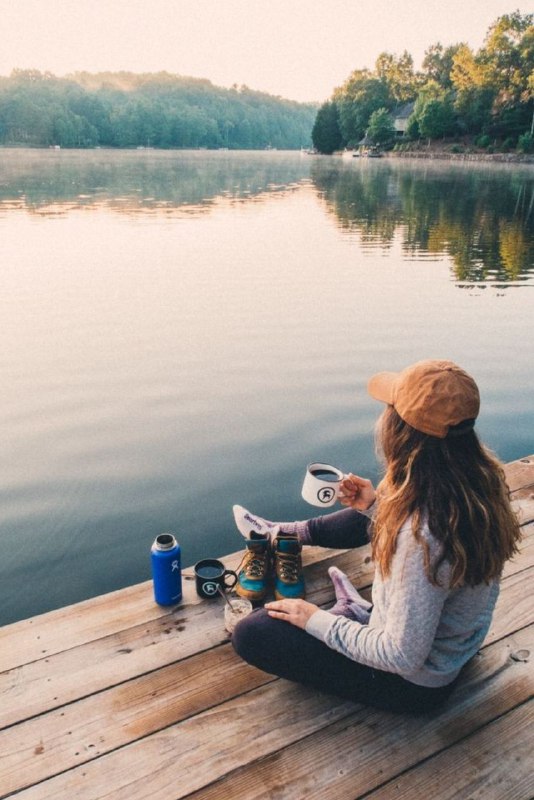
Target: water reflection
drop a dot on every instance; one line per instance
(483, 218)
(136, 182)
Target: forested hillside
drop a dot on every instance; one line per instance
(485, 96)
(153, 110)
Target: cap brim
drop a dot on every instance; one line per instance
(382, 386)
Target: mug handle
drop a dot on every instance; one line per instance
(233, 575)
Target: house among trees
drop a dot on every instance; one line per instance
(485, 96)
(401, 115)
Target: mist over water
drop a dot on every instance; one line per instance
(181, 331)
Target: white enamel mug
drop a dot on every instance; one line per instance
(321, 484)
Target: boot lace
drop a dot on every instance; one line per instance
(288, 566)
(253, 564)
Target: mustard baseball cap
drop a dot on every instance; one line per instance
(432, 396)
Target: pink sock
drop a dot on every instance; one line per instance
(299, 529)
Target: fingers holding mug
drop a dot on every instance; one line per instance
(356, 492)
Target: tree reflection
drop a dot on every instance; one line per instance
(52, 182)
(482, 218)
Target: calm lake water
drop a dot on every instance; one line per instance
(181, 331)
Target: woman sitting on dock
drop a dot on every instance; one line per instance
(441, 528)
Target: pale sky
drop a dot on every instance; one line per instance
(299, 49)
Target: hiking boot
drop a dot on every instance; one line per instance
(253, 572)
(289, 578)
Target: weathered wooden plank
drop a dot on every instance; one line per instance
(525, 558)
(297, 740)
(495, 763)
(59, 679)
(523, 504)
(113, 613)
(98, 724)
(32, 639)
(184, 754)
(118, 716)
(361, 752)
(520, 473)
(64, 677)
(515, 607)
(81, 731)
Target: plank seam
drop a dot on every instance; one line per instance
(459, 741)
(109, 687)
(358, 708)
(215, 647)
(96, 757)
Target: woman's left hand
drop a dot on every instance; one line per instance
(297, 612)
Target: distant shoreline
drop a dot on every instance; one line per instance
(443, 155)
(134, 149)
(432, 154)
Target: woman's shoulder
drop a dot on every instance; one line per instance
(417, 529)
(416, 536)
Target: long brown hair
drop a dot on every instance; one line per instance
(454, 484)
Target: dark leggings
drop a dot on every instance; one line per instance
(282, 649)
(342, 529)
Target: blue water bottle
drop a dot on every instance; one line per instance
(166, 570)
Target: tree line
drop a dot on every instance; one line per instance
(487, 95)
(151, 110)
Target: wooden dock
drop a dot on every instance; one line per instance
(119, 699)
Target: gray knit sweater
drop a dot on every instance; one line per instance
(425, 633)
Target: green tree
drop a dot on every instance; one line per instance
(326, 134)
(467, 70)
(493, 90)
(508, 58)
(474, 93)
(474, 109)
(398, 75)
(359, 96)
(436, 119)
(412, 128)
(161, 110)
(525, 143)
(459, 90)
(438, 62)
(381, 128)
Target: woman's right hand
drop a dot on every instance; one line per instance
(355, 492)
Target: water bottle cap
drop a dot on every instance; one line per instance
(165, 541)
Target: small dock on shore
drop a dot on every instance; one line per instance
(120, 699)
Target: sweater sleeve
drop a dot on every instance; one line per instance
(402, 639)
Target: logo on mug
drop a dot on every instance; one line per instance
(210, 588)
(325, 494)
